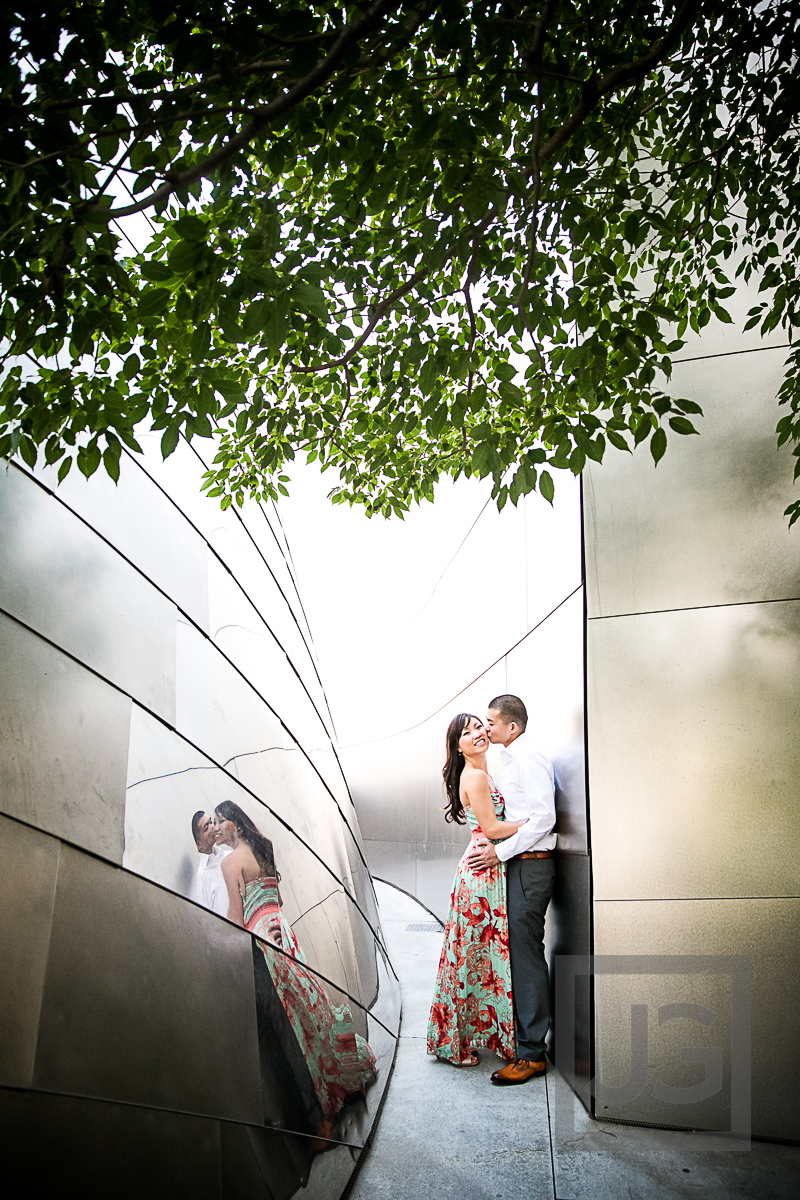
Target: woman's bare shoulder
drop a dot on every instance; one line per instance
(474, 777)
(233, 862)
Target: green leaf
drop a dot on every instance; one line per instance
(688, 406)
(111, 462)
(28, 451)
(484, 459)
(169, 440)
(658, 445)
(200, 342)
(546, 486)
(184, 257)
(642, 429)
(438, 420)
(647, 323)
(131, 366)
(792, 512)
(682, 425)
(152, 303)
(156, 272)
(63, 470)
(88, 459)
(275, 330)
(596, 448)
(231, 389)
(255, 318)
(309, 298)
(632, 228)
(192, 227)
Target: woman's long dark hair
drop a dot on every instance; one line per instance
(451, 771)
(260, 845)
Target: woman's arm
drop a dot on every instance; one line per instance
(478, 795)
(233, 878)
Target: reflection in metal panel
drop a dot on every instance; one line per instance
(60, 579)
(130, 965)
(239, 631)
(706, 526)
(146, 998)
(63, 744)
(142, 523)
(159, 845)
(150, 1151)
(694, 752)
(28, 864)
(693, 667)
(763, 931)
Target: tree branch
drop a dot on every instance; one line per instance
(379, 313)
(535, 58)
(624, 74)
(262, 116)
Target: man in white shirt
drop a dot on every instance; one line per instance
(527, 785)
(209, 887)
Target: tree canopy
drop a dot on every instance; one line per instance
(405, 238)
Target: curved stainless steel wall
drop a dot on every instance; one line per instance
(156, 662)
(693, 593)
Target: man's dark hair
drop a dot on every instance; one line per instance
(511, 709)
(196, 819)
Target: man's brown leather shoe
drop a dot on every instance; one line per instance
(519, 1071)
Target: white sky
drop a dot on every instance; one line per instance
(404, 615)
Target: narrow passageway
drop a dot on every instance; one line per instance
(447, 1134)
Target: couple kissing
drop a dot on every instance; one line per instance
(493, 989)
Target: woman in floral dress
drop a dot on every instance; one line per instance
(340, 1062)
(472, 1003)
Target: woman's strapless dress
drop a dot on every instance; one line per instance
(339, 1060)
(472, 1004)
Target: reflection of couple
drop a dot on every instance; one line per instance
(340, 1062)
(209, 887)
(493, 969)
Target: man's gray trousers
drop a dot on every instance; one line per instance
(529, 885)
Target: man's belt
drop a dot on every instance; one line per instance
(532, 854)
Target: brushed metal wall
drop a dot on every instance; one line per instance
(693, 661)
(156, 662)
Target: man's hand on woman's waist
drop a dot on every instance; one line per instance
(482, 855)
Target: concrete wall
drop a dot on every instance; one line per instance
(156, 661)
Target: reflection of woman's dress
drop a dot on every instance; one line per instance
(340, 1062)
(472, 1001)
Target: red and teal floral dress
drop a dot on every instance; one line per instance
(340, 1062)
(472, 1004)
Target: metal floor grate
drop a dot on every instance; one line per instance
(425, 927)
